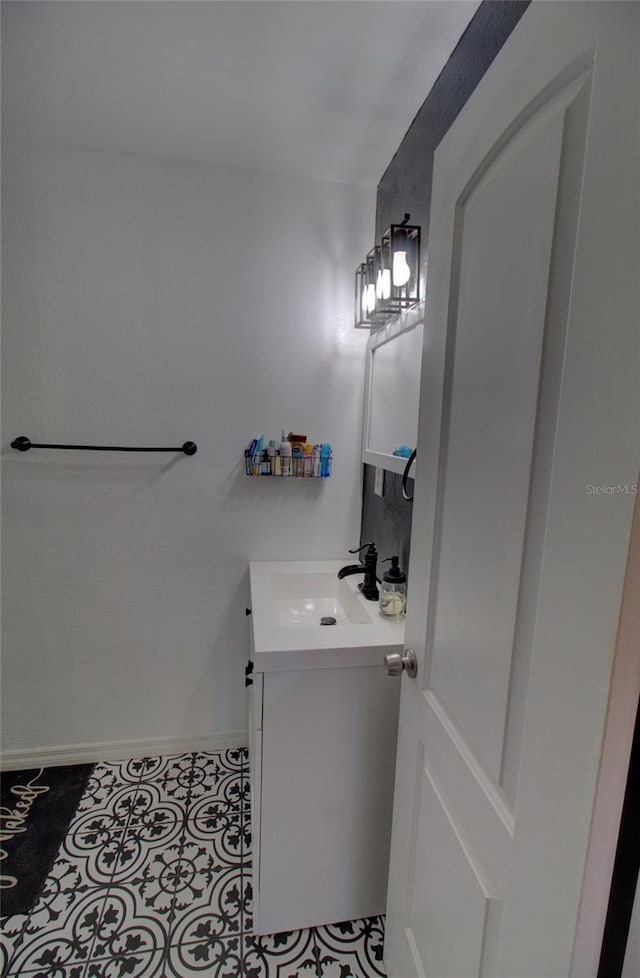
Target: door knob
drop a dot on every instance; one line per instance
(395, 663)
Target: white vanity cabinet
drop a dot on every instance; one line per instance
(322, 756)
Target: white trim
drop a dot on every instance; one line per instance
(392, 463)
(614, 767)
(402, 323)
(22, 760)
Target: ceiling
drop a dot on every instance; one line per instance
(320, 88)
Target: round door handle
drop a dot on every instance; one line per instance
(396, 663)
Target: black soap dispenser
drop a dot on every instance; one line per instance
(393, 592)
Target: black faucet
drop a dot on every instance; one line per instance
(369, 586)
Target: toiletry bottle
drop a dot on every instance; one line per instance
(285, 454)
(258, 455)
(297, 451)
(271, 456)
(393, 592)
(308, 460)
(325, 460)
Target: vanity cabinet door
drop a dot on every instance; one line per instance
(328, 756)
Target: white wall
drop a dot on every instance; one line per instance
(148, 301)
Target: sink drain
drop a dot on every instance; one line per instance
(328, 620)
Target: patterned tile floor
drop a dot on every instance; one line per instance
(153, 880)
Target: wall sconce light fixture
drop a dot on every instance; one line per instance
(400, 267)
(368, 312)
(361, 309)
(389, 280)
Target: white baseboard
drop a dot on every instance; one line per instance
(23, 760)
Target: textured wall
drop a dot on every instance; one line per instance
(387, 519)
(406, 183)
(143, 303)
(406, 187)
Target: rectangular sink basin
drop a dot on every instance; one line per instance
(307, 599)
(289, 599)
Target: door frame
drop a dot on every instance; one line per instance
(614, 766)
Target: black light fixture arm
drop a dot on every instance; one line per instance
(23, 444)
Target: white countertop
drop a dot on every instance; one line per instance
(284, 638)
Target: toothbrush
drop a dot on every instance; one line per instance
(256, 457)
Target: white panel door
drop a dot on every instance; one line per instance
(529, 405)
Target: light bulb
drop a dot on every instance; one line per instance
(385, 285)
(365, 304)
(401, 270)
(379, 287)
(371, 297)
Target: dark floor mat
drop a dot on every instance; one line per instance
(36, 809)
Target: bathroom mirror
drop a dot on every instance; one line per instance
(392, 390)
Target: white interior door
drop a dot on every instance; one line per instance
(529, 402)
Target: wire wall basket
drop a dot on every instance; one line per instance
(294, 467)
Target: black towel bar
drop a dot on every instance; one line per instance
(23, 444)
